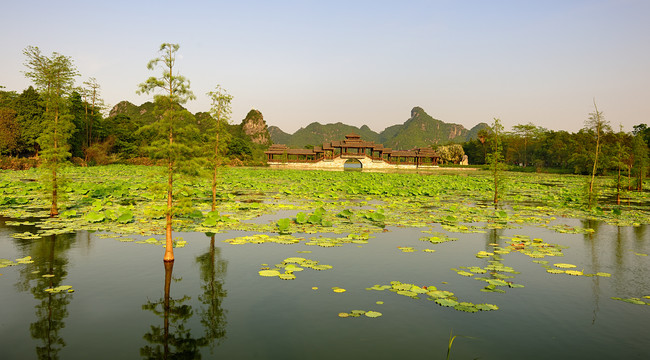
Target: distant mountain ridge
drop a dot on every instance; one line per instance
(420, 130)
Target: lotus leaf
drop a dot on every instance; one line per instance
(407, 293)
(564, 266)
(373, 314)
(295, 260)
(439, 294)
(95, 216)
(269, 273)
(466, 308)
(292, 268)
(486, 307)
(417, 289)
(497, 282)
(574, 272)
(446, 302)
(287, 276)
(301, 218)
(635, 301)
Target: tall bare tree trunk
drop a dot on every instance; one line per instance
(169, 245)
(214, 174)
(54, 210)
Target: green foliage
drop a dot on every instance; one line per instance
(176, 137)
(495, 159)
(54, 76)
(9, 131)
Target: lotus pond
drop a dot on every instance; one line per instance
(304, 264)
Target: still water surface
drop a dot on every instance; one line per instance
(217, 306)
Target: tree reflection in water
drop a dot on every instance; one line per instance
(213, 271)
(49, 259)
(174, 340)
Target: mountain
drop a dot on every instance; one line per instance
(316, 134)
(255, 128)
(142, 114)
(420, 130)
(473, 132)
(278, 136)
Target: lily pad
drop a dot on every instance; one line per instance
(446, 302)
(564, 266)
(373, 314)
(269, 273)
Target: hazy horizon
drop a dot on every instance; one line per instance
(360, 62)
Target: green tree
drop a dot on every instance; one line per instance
(9, 131)
(598, 125)
(76, 111)
(641, 162)
(621, 155)
(220, 112)
(174, 127)
(54, 77)
(29, 116)
(644, 131)
(124, 132)
(240, 148)
(528, 133)
(495, 159)
(93, 104)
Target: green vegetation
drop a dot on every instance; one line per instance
(214, 128)
(54, 77)
(495, 159)
(175, 137)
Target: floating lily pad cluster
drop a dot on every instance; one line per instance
(437, 238)
(358, 313)
(441, 297)
(495, 280)
(264, 238)
(535, 248)
(60, 289)
(636, 301)
(286, 269)
(6, 262)
(176, 242)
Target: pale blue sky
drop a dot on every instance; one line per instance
(359, 62)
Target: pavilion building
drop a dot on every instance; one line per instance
(336, 154)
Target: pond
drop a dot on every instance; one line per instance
(214, 304)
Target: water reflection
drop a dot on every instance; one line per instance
(213, 272)
(49, 256)
(175, 339)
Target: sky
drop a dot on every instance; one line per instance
(358, 62)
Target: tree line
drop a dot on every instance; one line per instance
(91, 138)
(596, 149)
